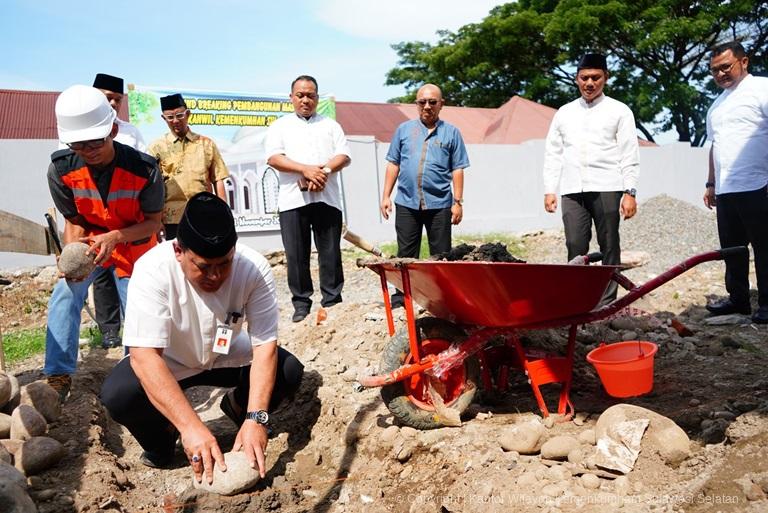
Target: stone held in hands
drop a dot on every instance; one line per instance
(27, 422)
(238, 477)
(74, 263)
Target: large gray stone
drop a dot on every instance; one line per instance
(38, 454)
(14, 499)
(525, 438)
(43, 398)
(74, 263)
(5, 425)
(13, 402)
(663, 436)
(558, 447)
(27, 422)
(10, 474)
(5, 389)
(238, 477)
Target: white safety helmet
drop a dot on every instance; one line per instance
(83, 113)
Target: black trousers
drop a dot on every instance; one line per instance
(296, 227)
(107, 302)
(742, 218)
(579, 211)
(409, 223)
(128, 404)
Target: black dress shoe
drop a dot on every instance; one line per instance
(299, 315)
(761, 316)
(727, 306)
(397, 301)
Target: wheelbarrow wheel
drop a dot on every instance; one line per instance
(410, 400)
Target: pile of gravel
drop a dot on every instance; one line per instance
(670, 230)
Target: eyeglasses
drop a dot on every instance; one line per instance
(725, 68)
(431, 101)
(93, 144)
(311, 96)
(176, 115)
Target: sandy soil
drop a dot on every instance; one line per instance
(332, 451)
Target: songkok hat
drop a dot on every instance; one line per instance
(108, 83)
(172, 101)
(207, 226)
(83, 114)
(593, 61)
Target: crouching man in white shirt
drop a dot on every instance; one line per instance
(188, 299)
(592, 153)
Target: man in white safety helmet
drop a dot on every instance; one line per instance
(111, 197)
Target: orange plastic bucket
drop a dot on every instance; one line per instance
(625, 368)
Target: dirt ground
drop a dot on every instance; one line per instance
(332, 450)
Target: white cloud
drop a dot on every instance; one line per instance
(401, 20)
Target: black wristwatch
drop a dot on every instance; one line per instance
(631, 192)
(709, 184)
(260, 417)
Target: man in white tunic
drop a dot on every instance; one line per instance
(184, 324)
(737, 125)
(309, 151)
(592, 154)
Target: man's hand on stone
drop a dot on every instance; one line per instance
(102, 245)
(252, 440)
(202, 451)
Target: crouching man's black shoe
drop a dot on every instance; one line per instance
(761, 316)
(727, 306)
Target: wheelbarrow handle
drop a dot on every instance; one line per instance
(734, 252)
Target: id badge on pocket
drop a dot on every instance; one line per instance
(223, 339)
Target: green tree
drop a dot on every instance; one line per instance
(658, 55)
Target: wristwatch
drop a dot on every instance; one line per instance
(459, 202)
(260, 417)
(631, 192)
(327, 170)
(709, 184)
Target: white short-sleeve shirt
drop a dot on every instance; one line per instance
(166, 311)
(737, 125)
(312, 141)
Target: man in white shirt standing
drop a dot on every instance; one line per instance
(309, 151)
(592, 153)
(188, 301)
(737, 183)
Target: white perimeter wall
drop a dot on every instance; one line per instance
(503, 188)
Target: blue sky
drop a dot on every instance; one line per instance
(227, 45)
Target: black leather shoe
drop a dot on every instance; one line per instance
(111, 338)
(299, 315)
(761, 316)
(727, 306)
(156, 460)
(397, 301)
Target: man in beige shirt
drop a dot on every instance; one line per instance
(190, 162)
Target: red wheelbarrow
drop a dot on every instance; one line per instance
(474, 303)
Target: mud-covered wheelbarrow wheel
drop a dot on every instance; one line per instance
(410, 400)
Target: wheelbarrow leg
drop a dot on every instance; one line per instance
(551, 369)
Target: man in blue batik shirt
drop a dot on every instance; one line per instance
(425, 157)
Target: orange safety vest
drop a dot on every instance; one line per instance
(123, 207)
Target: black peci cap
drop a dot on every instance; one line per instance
(593, 61)
(172, 101)
(108, 83)
(207, 226)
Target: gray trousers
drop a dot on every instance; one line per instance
(602, 208)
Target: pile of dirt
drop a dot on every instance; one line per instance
(489, 252)
(336, 448)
